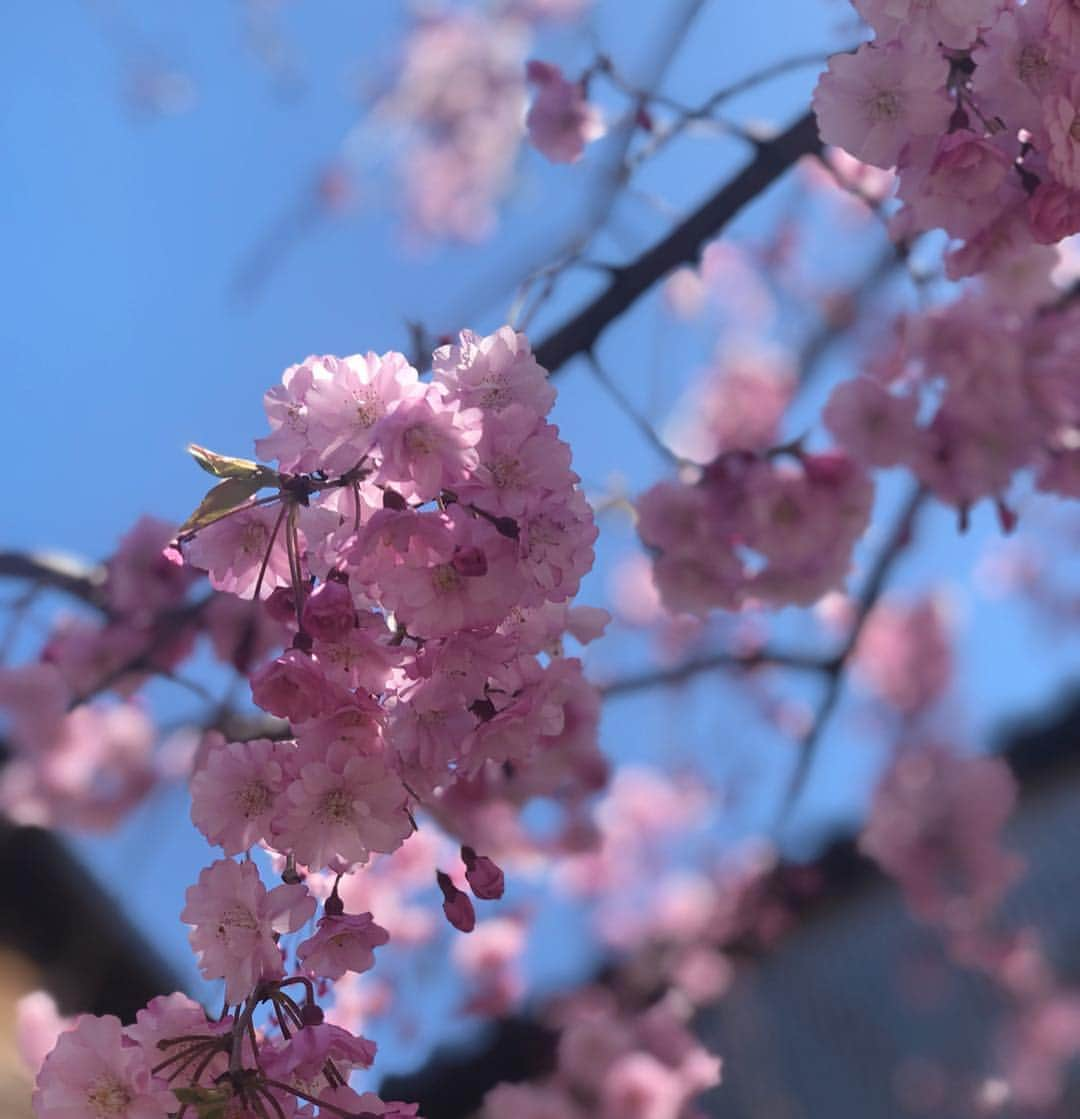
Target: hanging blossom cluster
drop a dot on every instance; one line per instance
(977, 105)
(936, 827)
(613, 1064)
(421, 548)
(458, 102)
(770, 524)
(971, 394)
(81, 742)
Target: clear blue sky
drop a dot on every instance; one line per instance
(121, 342)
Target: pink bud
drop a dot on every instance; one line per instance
(483, 875)
(281, 604)
(329, 613)
(456, 904)
(830, 468)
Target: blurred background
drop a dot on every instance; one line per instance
(198, 196)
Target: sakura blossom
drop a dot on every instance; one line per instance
(234, 919)
(871, 103)
(560, 121)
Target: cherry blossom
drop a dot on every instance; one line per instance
(234, 919)
(560, 121)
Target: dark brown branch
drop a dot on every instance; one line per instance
(63, 573)
(894, 548)
(710, 662)
(681, 246)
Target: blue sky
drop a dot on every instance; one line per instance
(122, 341)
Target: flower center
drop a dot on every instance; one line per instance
(253, 799)
(238, 917)
(505, 472)
(495, 393)
(337, 807)
(1074, 128)
(1033, 64)
(367, 411)
(885, 106)
(108, 1097)
(419, 440)
(445, 579)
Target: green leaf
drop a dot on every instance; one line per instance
(225, 498)
(209, 1103)
(225, 466)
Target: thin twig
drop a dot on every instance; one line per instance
(895, 545)
(681, 245)
(631, 413)
(710, 662)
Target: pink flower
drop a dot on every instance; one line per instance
(286, 409)
(343, 942)
(954, 23)
(873, 425)
(293, 687)
(530, 1101)
(556, 545)
(348, 399)
(1054, 213)
(329, 613)
(428, 444)
(904, 654)
(145, 574)
(493, 372)
(936, 826)
(457, 103)
(959, 182)
(305, 1053)
(173, 1018)
(244, 633)
(234, 920)
(91, 1072)
(560, 121)
(340, 807)
(233, 550)
(34, 699)
(98, 766)
(872, 102)
(1061, 116)
(638, 1086)
(1017, 64)
(236, 790)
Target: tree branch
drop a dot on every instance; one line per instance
(897, 543)
(681, 246)
(709, 662)
(58, 572)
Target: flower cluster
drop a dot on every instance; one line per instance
(426, 568)
(967, 398)
(82, 743)
(458, 101)
(755, 526)
(935, 827)
(904, 654)
(176, 1060)
(419, 556)
(976, 103)
(613, 1065)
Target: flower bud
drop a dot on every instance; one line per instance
(456, 904)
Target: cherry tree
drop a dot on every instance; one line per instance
(403, 723)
